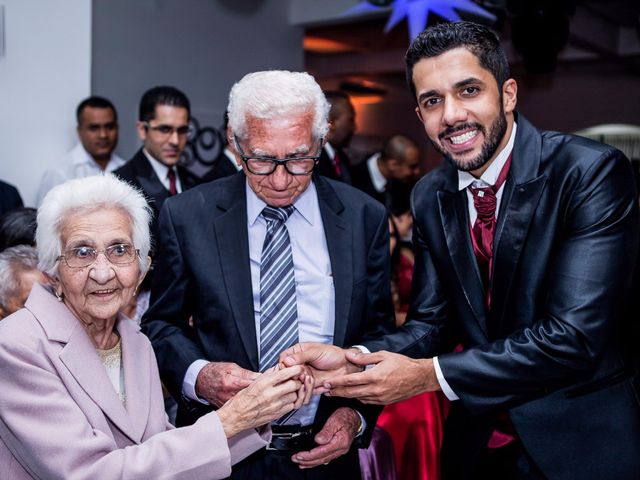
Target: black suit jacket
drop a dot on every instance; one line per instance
(557, 348)
(203, 273)
(139, 173)
(222, 167)
(326, 168)
(9, 198)
(361, 179)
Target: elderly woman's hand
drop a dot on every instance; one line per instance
(273, 394)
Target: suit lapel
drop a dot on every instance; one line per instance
(517, 208)
(338, 235)
(149, 181)
(137, 376)
(455, 221)
(230, 228)
(79, 356)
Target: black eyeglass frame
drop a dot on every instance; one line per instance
(275, 161)
(183, 131)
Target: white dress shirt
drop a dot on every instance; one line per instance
(487, 179)
(379, 181)
(162, 172)
(76, 163)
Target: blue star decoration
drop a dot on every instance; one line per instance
(417, 12)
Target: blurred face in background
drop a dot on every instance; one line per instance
(166, 135)
(98, 132)
(342, 123)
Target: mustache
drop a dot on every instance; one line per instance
(458, 128)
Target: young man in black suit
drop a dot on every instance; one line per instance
(527, 259)
(163, 127)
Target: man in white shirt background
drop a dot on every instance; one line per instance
(98, 136)
(396, 164)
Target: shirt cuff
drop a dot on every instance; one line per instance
(189, 383)
(446, 389)
(363, 349)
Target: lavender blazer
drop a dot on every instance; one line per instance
(60, 417)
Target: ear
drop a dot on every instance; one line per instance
(142, 131)
(509, 95)
(419, 114)
(231, 145)
(54, 282)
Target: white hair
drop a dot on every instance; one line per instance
(12, 261)
(86, 195)
(274, 94)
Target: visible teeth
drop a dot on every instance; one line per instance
(464, 137)
(103, 291)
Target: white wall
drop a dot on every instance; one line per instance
(45, 72)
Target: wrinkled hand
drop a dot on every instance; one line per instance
(217, 382)
(393, 378)
(323, 361)
(333, 440)
(275, 393)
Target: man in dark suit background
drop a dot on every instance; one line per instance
(225, 164)
(10, 199)
(334, 162)
(540, 298)
(396, 165)
(163, 127)
(218, 298)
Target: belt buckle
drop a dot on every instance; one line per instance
(285, 435)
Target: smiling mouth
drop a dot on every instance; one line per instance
(465, 137)
(103, 292)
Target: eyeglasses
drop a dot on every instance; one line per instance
(267, 165)
(168, 130)
(119, 254)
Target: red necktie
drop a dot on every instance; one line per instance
(484, 199)
(336, 163)
(171, 175)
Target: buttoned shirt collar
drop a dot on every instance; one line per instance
(377, 178)
(304, 204)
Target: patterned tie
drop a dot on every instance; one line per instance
(278, 311)
(171, 175)
(484, 199)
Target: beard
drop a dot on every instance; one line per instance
(492, 140)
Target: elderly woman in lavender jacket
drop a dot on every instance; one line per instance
(81, 396)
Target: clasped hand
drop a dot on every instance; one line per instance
(339, 372)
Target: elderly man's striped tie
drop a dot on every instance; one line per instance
(278, 311)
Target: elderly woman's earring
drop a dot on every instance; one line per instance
(59, 296)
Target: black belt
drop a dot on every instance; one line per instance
(291, 438)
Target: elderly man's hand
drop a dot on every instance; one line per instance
(392, 378)
(333, 440)
(217, 382)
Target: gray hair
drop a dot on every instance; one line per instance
(86, 195)
(12, 260)
(274, 94)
